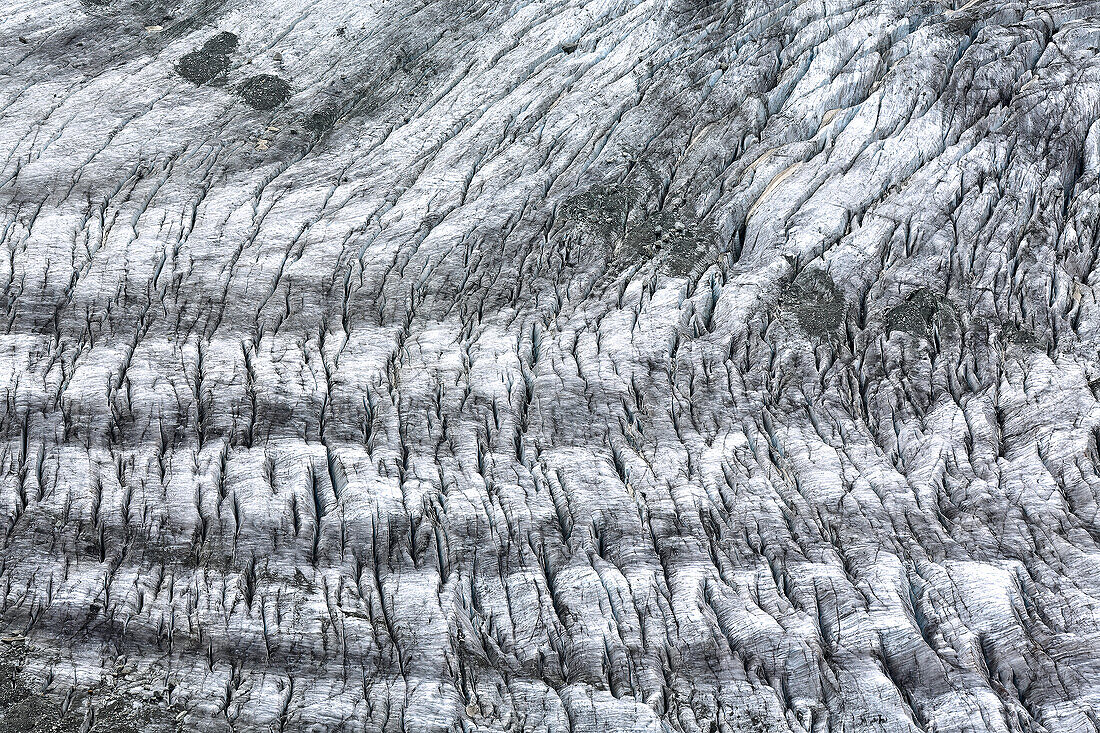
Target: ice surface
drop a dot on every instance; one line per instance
(430, 365)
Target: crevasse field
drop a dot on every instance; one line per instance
(431, 365)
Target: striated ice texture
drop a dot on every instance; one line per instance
(432, 365)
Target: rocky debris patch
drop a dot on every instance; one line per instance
(920, 312)
(615, 217)
(682, 242)
(264, 91)
(322, 119)
(201, 67)
(24, 709)
(204, 65)
(1013, 333)
(121, 702)
(602, 209)
(815, 301)
(221, 44)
